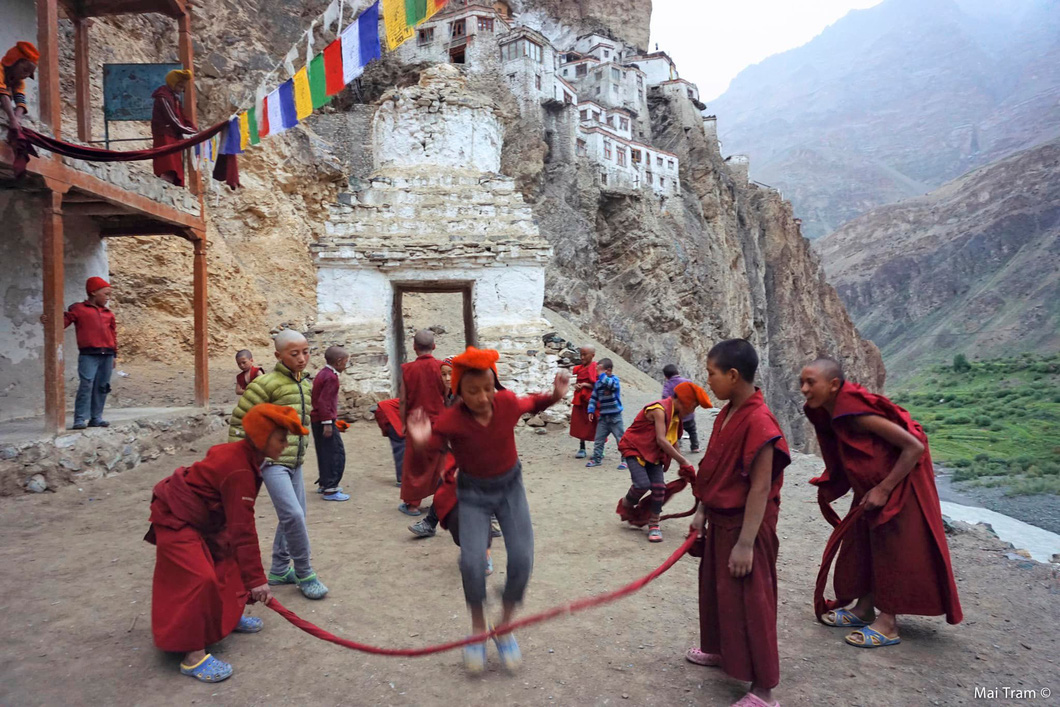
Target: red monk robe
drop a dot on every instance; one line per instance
(208, 559)
(169, 125)
(388, 417)
(639, 439)
(738, 617)
(581, 427)
(897, 553)
(423, 386)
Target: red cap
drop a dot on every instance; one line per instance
(95, 283)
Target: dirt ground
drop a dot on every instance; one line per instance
(76, 601)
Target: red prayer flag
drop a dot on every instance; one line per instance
(263, 120)
(333, 68)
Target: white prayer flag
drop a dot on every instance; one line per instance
(288, 61)
(352, 67)
(331, 15)
(309, 43)
(275, 114)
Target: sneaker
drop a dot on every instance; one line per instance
(79, 426)
(98, 423)
(249, 624)
(508, 650)
(580, 454)
(654, 534)
(623, 467)
(311, 587)
(287, 577)
(475, 657)
(337, 496)
(593, 463)
(423, 529)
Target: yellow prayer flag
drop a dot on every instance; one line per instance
(397, 26)
(303, 95)
(244, 131)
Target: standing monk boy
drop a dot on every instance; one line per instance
(421, 388)
(331, 453)
(582, 426)
(97, 344)
(738, 489)
(208, 562)
(287, 384)
(893, 554)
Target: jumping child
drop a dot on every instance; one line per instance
(650, 443)
(421, 388)
(208, 563)
(480, 432)
(582, 427)
(738, 489)
(327, 440)
(248, 371)
(894, 557)
(605, 411)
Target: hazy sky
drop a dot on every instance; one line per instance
(713, 40)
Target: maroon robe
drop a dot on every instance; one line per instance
(640, 439)
(388, 418)
(580, 426)
(207, 553)
(898, 552)
(169, 125)
(424, 390)
(738, 617)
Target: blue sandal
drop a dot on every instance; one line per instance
(287, 577)
(311, 587)
(249, 624)
(843, 618)
(408, 510)
(475, 657)
(508, 650)
(871, 638)
(209, 669)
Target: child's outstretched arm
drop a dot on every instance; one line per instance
(418, 429)
(912, 449)
(742, 558)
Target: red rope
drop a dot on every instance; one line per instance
(572, 607)
(689, 512)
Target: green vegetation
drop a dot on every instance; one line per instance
(995, 422)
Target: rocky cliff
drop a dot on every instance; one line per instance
(628, 20)
(893, 101)
(969, 268)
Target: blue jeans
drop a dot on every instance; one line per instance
(93, 370)
(397, 449)
(607, 425)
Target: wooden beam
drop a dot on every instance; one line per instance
(191, 108)
(94, 208)
(82, 75)
(54, 277)
(51, 107)
(141, 228)
(201, 324)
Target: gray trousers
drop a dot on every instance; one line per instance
(504, 497)
(287, 491)
(607, 425)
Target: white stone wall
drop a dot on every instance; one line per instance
(20, 24)
(680, 89)
(614, 121)
(664, 179)
(480, 49)
(21, 275)
(657, 69)
(740, 166)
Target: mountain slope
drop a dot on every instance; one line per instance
(893, 101)
(969, 268)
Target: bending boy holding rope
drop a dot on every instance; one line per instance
(480, 432)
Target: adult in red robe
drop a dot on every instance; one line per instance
(738, 615)
(208, 561)
(581, 427)
(892, 550)
(421, 388)
(169, 125)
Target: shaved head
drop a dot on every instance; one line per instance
(334, 354)
(287, 337)
(829, 368)
(588, 349)
(424, 340)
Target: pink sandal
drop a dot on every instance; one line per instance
(751, 700)
(698, 657)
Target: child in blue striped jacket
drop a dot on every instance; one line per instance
(606, 404)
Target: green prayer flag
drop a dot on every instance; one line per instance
(252, 118)
(415, 11)
(318, 82)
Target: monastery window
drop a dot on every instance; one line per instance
(621, 157)
(583, 115)
(623, 123)
(607, 54)
(534, 51)
(670, 164)
(485, 24)
(565, 72)
(425, 36)
(658, 161)
(614, 87)
(616, 75)
(662, 182)
(511, 79)
(567, 98)
(651, 179)
(603, 178)
(634, 155)
(636, 181)
(598, 75)
(611, 121)
(582, 148)
(581, 70)
(458, 28)
(640, 81)
(537, 82)
(607, 149)
(692, 94)
(596, 116)
(597, 90)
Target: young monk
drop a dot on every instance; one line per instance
(480, 432)
(894, 557)
(582, 425)
(388, 417)
(738, 489)
(18, 64)
(248, 370)
(208, 563)
(421, 388)
(650, 443)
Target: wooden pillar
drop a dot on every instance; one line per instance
(81, 79)
(54, 370)
(51, 108)
(187, 58)
(202, 334)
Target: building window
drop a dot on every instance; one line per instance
(640, 81)
(607, 149)
(596, 116)
(651, 179)
(692, 94)
(603, 178)
(597, 90)
(670, 164)
(623, 123)
(636, 181)
(616, 75)
(583, 115)
(611, 121)
(607, 54)
(564, 72)
(658, 161)
(582, 147)
(634, 155)
(621, 157)
(534, 51)
(614, 87)
(521, 48)
(662, 182)
(567, 98)
(485, 24)
(511, 79)
(581, 70)
(425, 36)
(640, 94)
(458, 28)
(537, 82)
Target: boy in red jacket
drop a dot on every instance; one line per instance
(331, 453)
(97, 343)
(738, 488)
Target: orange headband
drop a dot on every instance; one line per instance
(264, 418)
(691, 395)
(474, 360)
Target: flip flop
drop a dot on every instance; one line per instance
(842, 618)
(209, 669)
(404, 508)
(698, 657)
(871, 638)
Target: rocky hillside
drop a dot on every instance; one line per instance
(969, 268)
(893, 101)
(628, 20)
